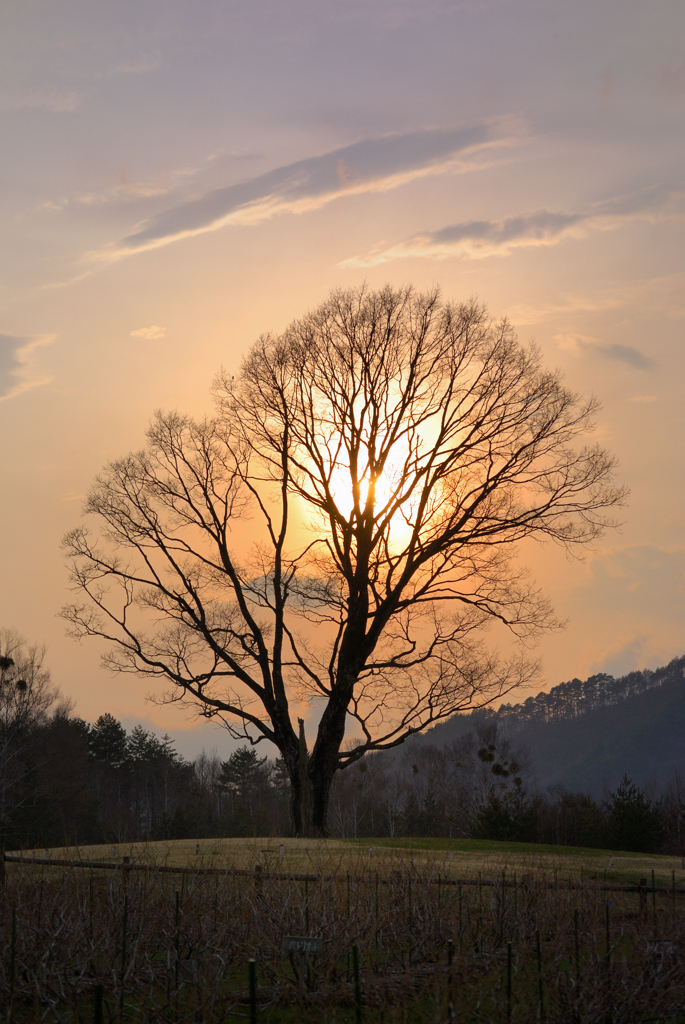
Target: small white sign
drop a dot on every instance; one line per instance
(302, 944)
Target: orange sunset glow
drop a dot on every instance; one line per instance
(181, 179)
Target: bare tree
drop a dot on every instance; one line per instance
(26, 699)
(343, 529)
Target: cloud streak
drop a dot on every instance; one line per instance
(19, 371)
(627, 354)
(479, 239)
(624, 354)
(371, 165)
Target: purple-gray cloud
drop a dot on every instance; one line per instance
(624, 354)
(9, 343)
(481, 238)
(607, 350)
(373, 164)
(540, 226)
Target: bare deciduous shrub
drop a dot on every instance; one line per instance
(175, 948)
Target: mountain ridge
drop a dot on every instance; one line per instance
(585, 734)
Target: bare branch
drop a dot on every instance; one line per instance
(343, 531)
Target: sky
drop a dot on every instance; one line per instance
(181, 177)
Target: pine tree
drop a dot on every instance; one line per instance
(634, 821)
(107, 741)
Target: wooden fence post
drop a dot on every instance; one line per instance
(643, 895)
(357, 988)
(97, 1004)
(252, 975)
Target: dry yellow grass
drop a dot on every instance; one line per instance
(177, 947)
(454, 858)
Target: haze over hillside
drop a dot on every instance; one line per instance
(584, 734)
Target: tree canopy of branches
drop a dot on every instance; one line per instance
(342, 530)
(26, 698)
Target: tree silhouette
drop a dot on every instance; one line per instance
(342, 531)
(243, 770)
(27, 697)
(634, 821)
(107, 741)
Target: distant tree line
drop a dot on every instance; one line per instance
(480, 786)
(578, 696)
(65, 781)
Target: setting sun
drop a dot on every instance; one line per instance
(387, 490)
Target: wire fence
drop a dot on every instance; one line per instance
(124, 941)
(258, 873)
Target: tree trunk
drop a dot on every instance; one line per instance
(323, 762)
(306, 821)
(309, 792)
(321, 786)
(312, 775)
(300, 787)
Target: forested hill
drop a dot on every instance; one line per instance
(578, 697)
(586, 734)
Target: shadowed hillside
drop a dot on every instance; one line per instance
(586, 734)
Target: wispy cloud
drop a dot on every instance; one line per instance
(639, 589)
(581, 343)
(375, 164)
(59, 100)
(150, 333)
(624, 354)
(125, 190)
(144, 64)
(662, 296)
(19, 370)
(482, 238)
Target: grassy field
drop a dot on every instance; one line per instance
(456, 858)
(161, 948)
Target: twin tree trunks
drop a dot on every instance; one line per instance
(343, 529)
